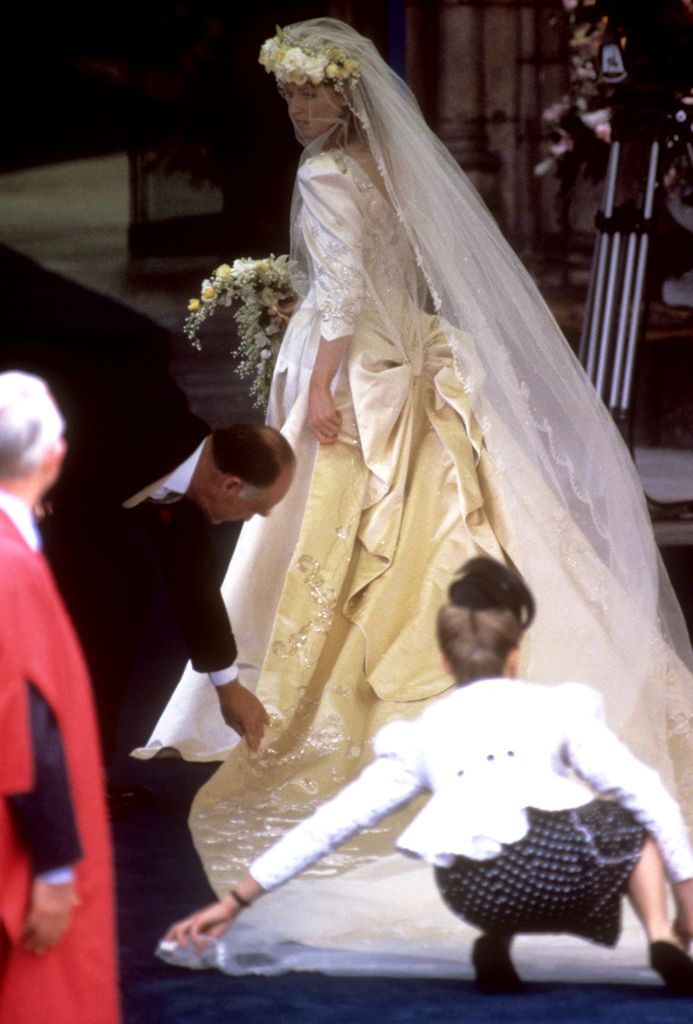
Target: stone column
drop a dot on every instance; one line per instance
(458, 65)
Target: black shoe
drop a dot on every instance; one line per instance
(123, 797)
(674, 967)
(493, 966)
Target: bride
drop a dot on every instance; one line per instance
(436, 413)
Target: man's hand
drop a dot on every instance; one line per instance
(243, 712)
(50, 909)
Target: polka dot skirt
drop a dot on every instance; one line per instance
(566, 875)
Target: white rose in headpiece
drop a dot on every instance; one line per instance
(299, 66)
(292, 62)
(314, 67)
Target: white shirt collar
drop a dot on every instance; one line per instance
(179, 480)
(22, 517)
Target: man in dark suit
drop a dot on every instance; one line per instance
(105, 558)
(143, 478)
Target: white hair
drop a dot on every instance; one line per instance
(30, 423)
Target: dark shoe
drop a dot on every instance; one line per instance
(673, 966)
(123, 797)
(493, 966)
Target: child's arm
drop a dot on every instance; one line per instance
(385, 785)
(212, 921)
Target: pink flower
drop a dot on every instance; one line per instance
(564, 144)
(554, 113)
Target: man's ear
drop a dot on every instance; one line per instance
(53, 460)
(229, 483)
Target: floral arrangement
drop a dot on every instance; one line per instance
(257, 288)
(579, 124)
(290, 61)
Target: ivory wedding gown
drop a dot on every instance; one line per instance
(333, 601)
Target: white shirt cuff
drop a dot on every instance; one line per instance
(57, 876)
(222, 676)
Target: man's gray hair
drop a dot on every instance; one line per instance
(30, 423)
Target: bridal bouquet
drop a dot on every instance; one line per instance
(255, 288)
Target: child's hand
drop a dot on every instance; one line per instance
(209, 923)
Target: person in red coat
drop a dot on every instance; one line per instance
(57, 928)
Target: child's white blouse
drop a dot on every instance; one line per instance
(486, 752)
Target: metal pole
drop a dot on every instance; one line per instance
(636, 305)
(593, 312)
(623, 315)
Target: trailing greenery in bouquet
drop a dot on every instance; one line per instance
(258, 289)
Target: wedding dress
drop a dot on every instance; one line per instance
(333, 597)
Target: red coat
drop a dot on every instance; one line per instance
(76, 981)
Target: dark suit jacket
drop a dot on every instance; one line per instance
(45, 813)
(128, 424)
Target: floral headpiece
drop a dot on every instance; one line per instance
(290, 61)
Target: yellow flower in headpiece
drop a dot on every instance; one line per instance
(194, 305)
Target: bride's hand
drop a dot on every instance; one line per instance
(283, 311)
(324, 419)
(209, 923)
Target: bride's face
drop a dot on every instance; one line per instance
(313, 109)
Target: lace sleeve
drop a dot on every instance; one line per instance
(332, 226)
